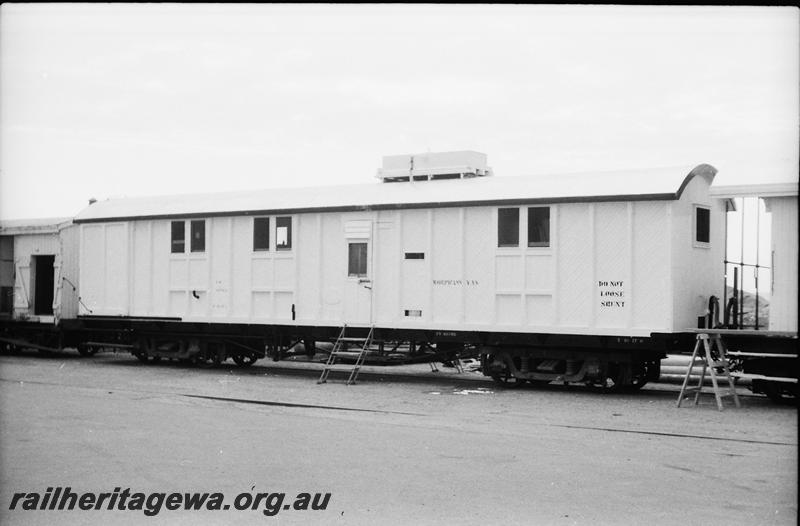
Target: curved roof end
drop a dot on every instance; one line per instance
(705, 170)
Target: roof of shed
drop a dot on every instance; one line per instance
(647, 184)
(773, 179)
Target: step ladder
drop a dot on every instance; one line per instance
(338, 348)
(710, 361)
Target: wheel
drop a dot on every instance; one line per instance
(507, 381)
(636, 384)
(614, 380)
(776, 393)
(245, 360)
(83, 350)
(142, 357)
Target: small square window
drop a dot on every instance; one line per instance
(198, 236)
(702, 225)
(178, 237)
(357, 259)
(539, 227)
(508, 227)
(283, 233)
(260, 233)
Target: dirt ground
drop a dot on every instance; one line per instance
(390, 450)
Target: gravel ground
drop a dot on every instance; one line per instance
(426, 448)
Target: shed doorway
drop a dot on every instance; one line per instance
(43, 278)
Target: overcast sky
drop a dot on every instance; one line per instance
(112, 100)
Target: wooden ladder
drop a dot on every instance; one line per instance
(709, 342)
(338, 348)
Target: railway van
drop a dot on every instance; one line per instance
(38, 281)
(585, 277)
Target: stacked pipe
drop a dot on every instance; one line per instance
(675, 366)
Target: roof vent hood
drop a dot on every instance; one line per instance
(433, 166)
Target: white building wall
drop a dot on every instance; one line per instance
(783, 304)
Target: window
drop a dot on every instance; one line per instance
(261, 233)
(283, 233)
(702, 225)
(178, 237)
(198, 236)
(508, 227)
(357, 259)
(415, 255)
(539, 227)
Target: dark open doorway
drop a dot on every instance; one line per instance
(44, 277)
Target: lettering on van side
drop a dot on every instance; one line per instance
(612, 294)
(456, 282)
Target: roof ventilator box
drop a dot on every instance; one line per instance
(433, 166)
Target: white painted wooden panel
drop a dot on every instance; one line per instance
(333, 269)
(309, 260)
(92, 268)
(783, 304)
(574, 238)
(611, 286)
(159, 269)
(142, 267)
(220, 246)
(116, 269)
(241, 264)
(479, 256)
(416, 273)
(69, 238)
(650, 283)
(388, 257)
(447, 265)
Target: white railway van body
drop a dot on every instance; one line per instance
(623, 253)
(39, 270)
